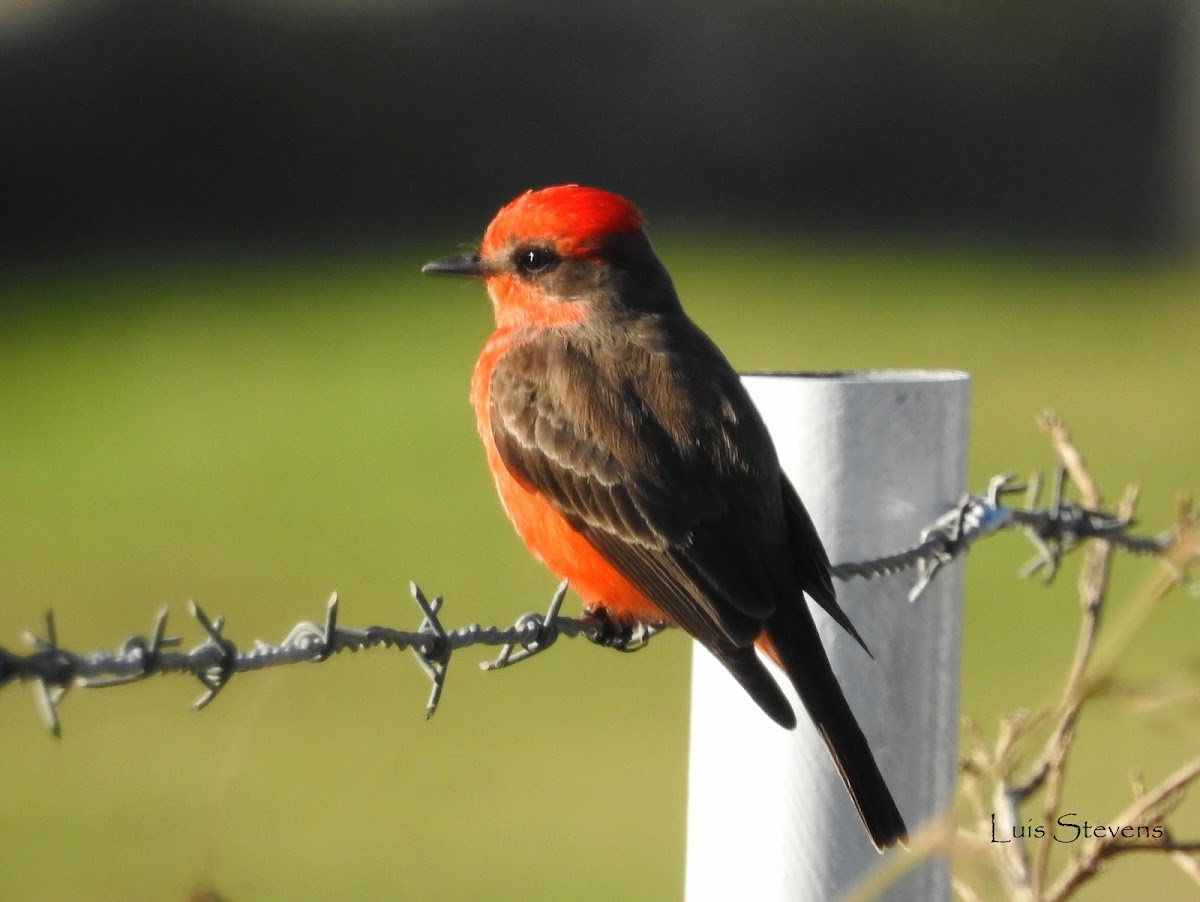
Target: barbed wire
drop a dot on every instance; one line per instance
(1054, 530)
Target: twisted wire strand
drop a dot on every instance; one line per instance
(53, 670)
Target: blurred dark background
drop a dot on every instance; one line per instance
(135, 123)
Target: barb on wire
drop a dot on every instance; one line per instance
(1053, 530)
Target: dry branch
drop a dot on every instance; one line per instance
(1029, 878)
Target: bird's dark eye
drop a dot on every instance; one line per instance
(533, 261)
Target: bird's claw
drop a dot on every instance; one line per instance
(623, 635)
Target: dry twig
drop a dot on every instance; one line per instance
(1022, 877)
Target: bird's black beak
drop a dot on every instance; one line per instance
(462, 265)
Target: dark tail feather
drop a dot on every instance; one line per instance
(803, 658)
(748, 670)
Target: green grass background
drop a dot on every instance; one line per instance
(255, 436)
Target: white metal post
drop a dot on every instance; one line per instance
(875, 456)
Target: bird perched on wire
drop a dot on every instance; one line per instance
(633, 463)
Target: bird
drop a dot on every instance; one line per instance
(633, 463)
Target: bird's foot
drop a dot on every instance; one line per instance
(618, 633)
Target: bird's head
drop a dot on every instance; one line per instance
(560, 254)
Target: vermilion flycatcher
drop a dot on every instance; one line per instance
(633, 464)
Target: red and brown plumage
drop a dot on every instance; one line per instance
(633, 464)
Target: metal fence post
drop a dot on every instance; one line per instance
(875, 456)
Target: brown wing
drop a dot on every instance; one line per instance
(655, 483)
(812, 562)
